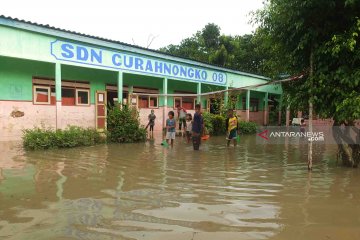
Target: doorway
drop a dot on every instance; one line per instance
(100, 105)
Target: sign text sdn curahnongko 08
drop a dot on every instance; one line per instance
(72, 52)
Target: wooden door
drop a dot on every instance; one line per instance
(100, 97)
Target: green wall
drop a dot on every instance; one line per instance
(16, 77)
(253, 94)
(97, 78)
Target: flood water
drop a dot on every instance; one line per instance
(146, 191)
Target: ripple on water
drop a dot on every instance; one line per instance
(147, 191)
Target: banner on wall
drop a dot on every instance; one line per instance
(72, 52)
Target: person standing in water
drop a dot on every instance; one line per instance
(170, 128)
(188, 127)
(182, 117)
(232, 126)
(302, 126)
(197, 127)
(151, 123)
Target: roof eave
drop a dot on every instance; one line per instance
(62, 33)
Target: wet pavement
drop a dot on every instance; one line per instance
(147, 191)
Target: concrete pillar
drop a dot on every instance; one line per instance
(120, 87)
(247, 105)
(165, 91)
(266, 108)
(288, 116)
(198, 99)
(226, 97)
(58, 94)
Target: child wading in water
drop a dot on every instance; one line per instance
(188, 127)
(170, 128)
(151, 123)
(182, 118)
(232, 126)
(197, 127)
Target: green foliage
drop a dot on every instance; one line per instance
(208, 122)
(39, 139)
(329, 31)
(214, 123)
(218, 122)
(245, 53)
(210, 34)
(123, 125)
(349, 109)
(247, 127)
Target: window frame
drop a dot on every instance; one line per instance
(77, 90)
(138, 96)
(75, 99)
(174, 102)
(193, 102)
(252, 100)
(34, 95)
(181, 102)
(157, 102)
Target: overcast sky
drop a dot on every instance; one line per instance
(134, 21)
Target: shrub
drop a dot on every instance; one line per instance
(214, 123)
(247, 127)
(208, 122)
(218, 122)
(39, 138)
(123, 125)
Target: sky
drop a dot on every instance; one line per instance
(137, 21)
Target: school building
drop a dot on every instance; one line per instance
(53, 78)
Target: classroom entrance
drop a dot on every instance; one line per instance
(100, 110)
(112, 95)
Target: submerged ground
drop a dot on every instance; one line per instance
(146, 191)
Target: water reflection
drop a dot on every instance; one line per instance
(146, 191)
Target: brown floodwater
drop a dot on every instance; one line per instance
(146, 191)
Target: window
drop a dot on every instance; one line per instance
(42, 95)
(68, 96)
(143, 102)
(44, 91)
(254, 104)
(82, 96)
(177, 102)
(74, 96)
(153, 102)
(147, 101)
(75, 93)
(186, 102)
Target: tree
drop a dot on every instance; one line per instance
(320, 37)
(210, 34)
(248, 53)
